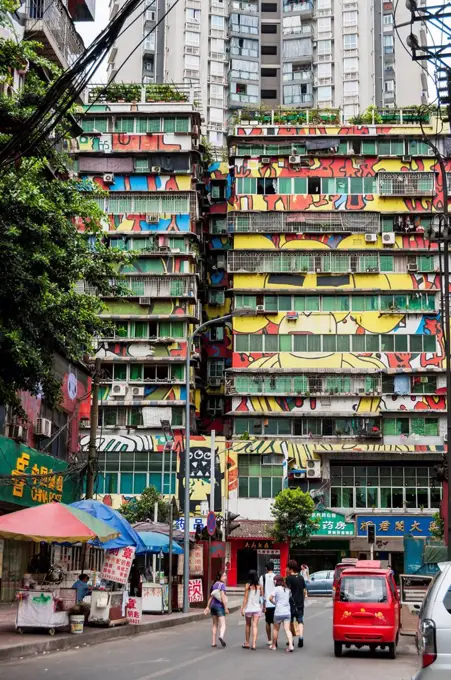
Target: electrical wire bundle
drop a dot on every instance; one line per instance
(66, 90)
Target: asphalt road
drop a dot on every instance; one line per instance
(185, 652)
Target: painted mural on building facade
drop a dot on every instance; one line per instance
(142, 182)
(130, 143)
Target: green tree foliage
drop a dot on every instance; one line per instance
(43, 255)
(292, 511)
(143, 508)
(438, 526)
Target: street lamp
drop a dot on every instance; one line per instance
(189, 344)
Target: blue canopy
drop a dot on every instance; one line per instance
(128, 536)
(155, 543)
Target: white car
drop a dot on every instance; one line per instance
(434, 628)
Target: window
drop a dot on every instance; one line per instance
(192, 62)
(388, 44)
(130, 473)
(269, 94)
(268, 72)
(350, 18)
(388, 19)
(324, 70)
(243, 23)
(217, 22)
(350, 41)
(149, 43)
(217, 68)
(177, 124)
(215, 406)
(215, 368)
(248, 70)
(269, 49)
(324, 25)
(193, 15)
(384, 487)
(124, 125)
(414, 425)
(269, 6)
(291, 25)
(350, 64)
(217, 45)
(256, 479)
(297, 48)
(324, 47)
(94, 124)
(324, 93)
(216, 115)
(389, 86)
(244, 47)
(191, 38)
(269, 28)
(216, 297)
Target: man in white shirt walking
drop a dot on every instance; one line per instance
(267, 583)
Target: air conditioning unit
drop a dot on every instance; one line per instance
(313, 469)
(138, 391)
(221, 263)
(151, 217)
(144, 301)
(370, 238)
(388, 239)
(119, 390)
(43, 427)
(18, 432)
(214, 382)
(412, 267)
(260, 308)
(299, 474)
(406, 159)
(265, 160)
(108, 178)
(84, 424)
(294, 160)
(292, 316)
(156, 169)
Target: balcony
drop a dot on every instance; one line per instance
(236, 99)
(324, 263)
(49, 22)
(304, 385)
(248, 7)
(282, 222)
(406, 184)
(147, 287)
(302, 7)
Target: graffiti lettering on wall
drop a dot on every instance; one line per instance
(328, 242)
(117, 142)
(143, 182)
(351, 130)
(113, 350)
(356, 405)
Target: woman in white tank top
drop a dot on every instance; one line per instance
(252, 608)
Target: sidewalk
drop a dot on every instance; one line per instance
(14, 645)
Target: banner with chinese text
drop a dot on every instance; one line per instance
(134, 610)
(195, 591)
(45, 481)
(396, 525)
(117, 564)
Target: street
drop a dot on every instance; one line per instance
(185, 651)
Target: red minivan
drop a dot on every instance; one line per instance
(366, 610)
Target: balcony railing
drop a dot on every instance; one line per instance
(324, 263)
(304, 385)
(147, 287)
(50, 23)
(406, 183)
(275, 222)
(326, 116)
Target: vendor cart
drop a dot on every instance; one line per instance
(46, 608)
(155, 598)
(108, 608)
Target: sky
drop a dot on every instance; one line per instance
(90, 29)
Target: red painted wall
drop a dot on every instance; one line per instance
(237, 544)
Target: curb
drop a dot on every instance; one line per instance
(94, 636)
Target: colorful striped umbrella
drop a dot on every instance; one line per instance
(55, 523)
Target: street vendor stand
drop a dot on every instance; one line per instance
(109, 601)
(49, 606)
(155, 594)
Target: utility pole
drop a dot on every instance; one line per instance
(94, 421)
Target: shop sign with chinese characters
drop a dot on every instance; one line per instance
(117, 564)
(196, 560)
(195, 592)
(332, 524)
(36, 478)
(396, 525)
(134, 610)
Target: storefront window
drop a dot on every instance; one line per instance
(383, 487)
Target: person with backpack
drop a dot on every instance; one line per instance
(217, 606)
(296, 584)
(267, 585)
(252, 608)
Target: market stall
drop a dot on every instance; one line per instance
(49, 606)
(155, 593)
(109, 598)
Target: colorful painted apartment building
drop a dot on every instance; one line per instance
(146, 156)
(343, 356)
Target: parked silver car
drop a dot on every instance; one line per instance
(320, 583)
(434, 628)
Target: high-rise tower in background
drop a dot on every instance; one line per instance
(293, 53)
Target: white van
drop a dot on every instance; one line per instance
(434, 628)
